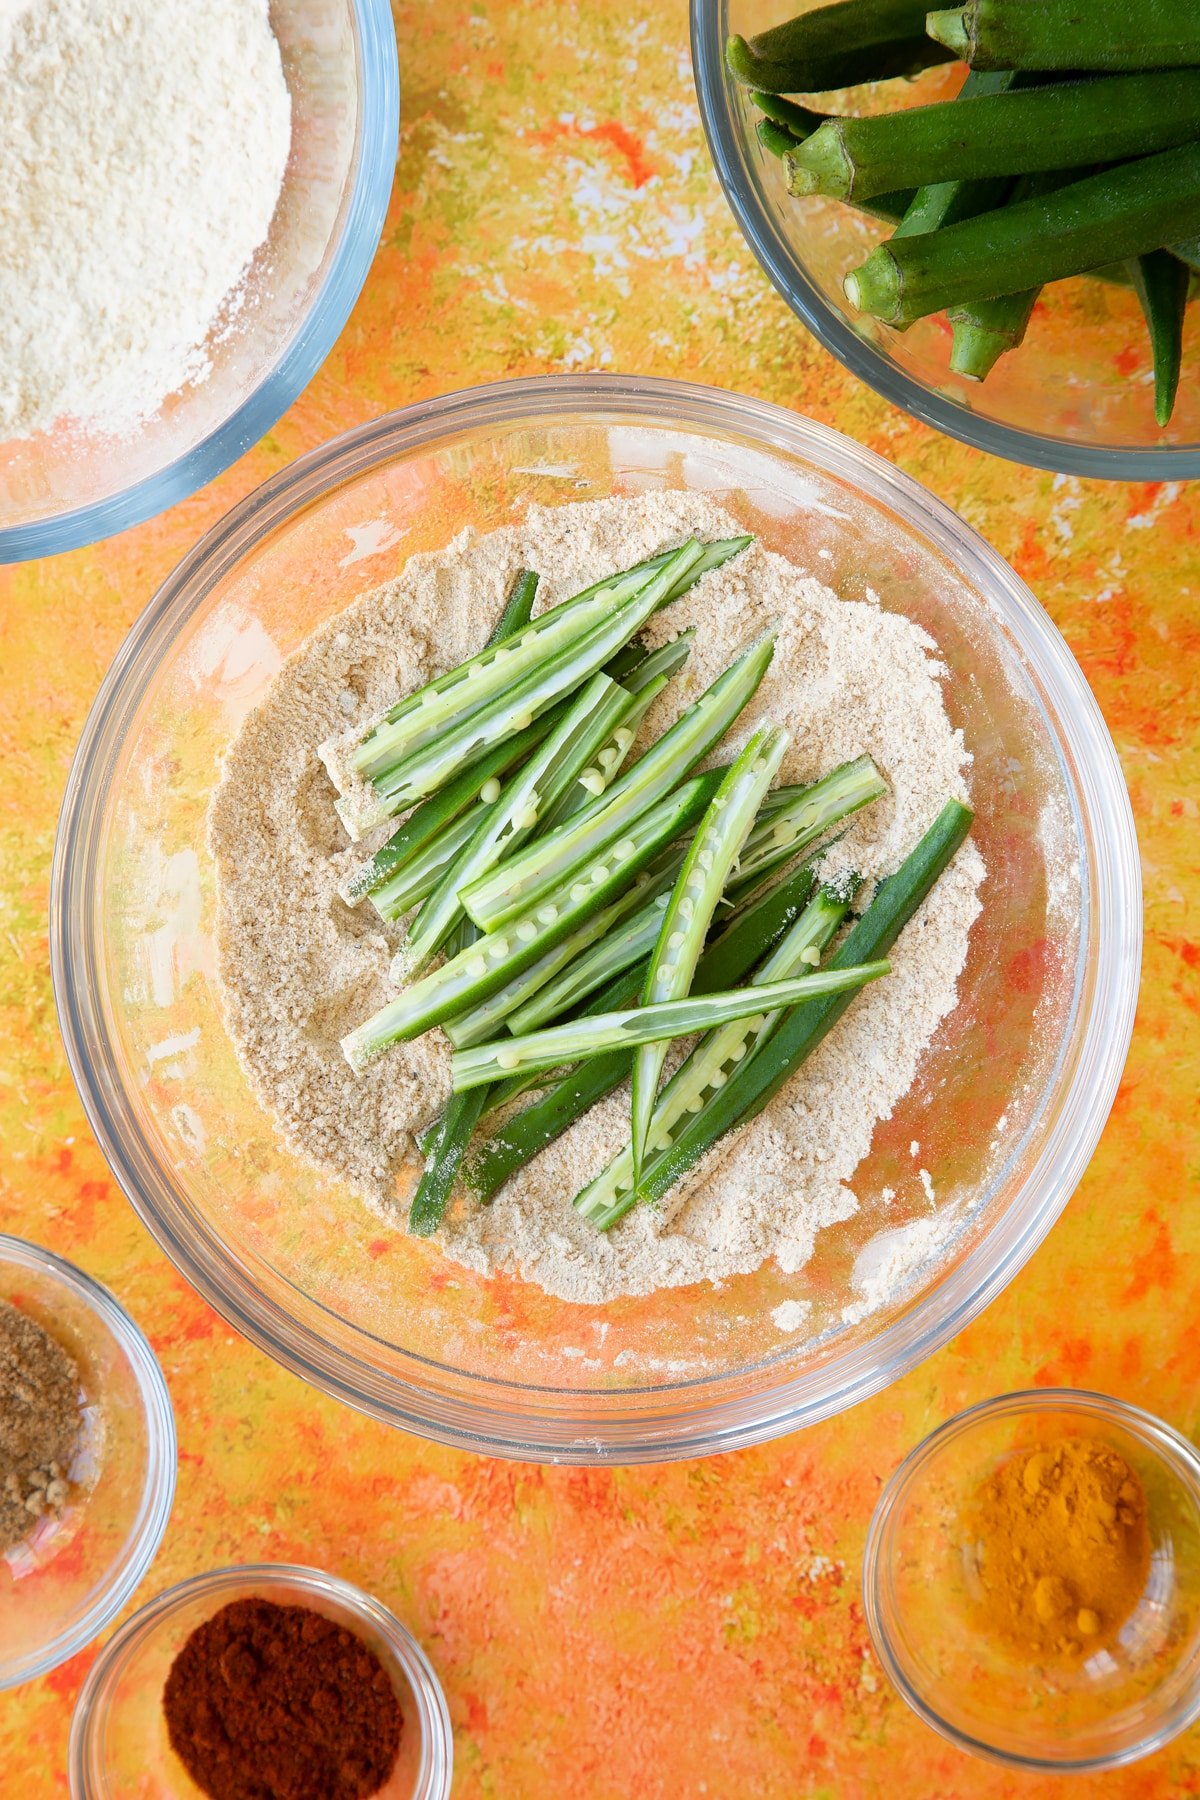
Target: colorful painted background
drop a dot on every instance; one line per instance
(695, 1629)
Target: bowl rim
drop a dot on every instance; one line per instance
(376, 138)
(778, 261)
(593, 1430)
(1171, 1448)
(433, 1713)
(158, 1488)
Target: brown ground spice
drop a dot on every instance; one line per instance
(269, 1702)
(1062, 1548)
(40, 1422)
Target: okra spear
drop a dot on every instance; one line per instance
(1122, 212)
(1063, 34)
(1063, 126)
(837, 46)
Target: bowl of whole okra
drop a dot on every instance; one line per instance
(991, 214)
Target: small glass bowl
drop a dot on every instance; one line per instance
(1078, 396)
(63, 1584)
(1126, 1700)
(66, 487)
(119, 1746)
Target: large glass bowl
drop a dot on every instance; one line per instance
(1078, 395)
(72, 1575)
(119, 1748)
(1122, 1702)
(60, 489)
(1010, 1099)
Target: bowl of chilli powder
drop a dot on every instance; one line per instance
(1032, 1580)
(262, 1682)
(87, 1459)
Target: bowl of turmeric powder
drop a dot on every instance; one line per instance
(1032, 1581)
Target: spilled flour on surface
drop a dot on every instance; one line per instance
(846, 679)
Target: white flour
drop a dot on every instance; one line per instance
(847, 678)
(142, 150)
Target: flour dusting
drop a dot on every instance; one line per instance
(847, 679)
(142, 149)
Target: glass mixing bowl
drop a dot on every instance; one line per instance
(119, 1747)
(63, 1584)
(1011, 1096)
(1076, 397)
(60, 489)
(1125, 1700)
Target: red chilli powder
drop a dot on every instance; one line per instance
(268, 1702)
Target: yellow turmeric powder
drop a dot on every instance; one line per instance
(1061, 1547)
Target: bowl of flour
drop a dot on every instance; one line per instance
(190, 198)
(206, 967)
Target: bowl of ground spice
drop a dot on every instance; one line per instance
(1032, 1581)
(264, 1682)
(87, 1459)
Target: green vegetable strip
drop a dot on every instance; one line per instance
(431, 818)
(588, 723)
(760, 1078)
(596, 933)
(836, 46)
(610, 1194)
(726, 958)
(1122, 212)
(585, 789)
(1065, 126)
(1161, 283)
(475, 973)
(418, 877)
(518, 610)
(987, 329)
(610, 956)
(689, 912)
(443, 1159)
(724, 962)
(791, 828)
(653, 664)
(1188, 252)
(1065, 34)
(714, 554)
(646, 1024)
(499, 669)
(945, 202)
(550, 862)
(429, 767)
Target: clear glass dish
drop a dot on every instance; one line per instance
(1125, 1700)
(119, 1747)
(61, 489)
(1011, 1097)
(62, 1585)
(1077, 397)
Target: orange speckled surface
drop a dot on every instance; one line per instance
(694, 1629)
